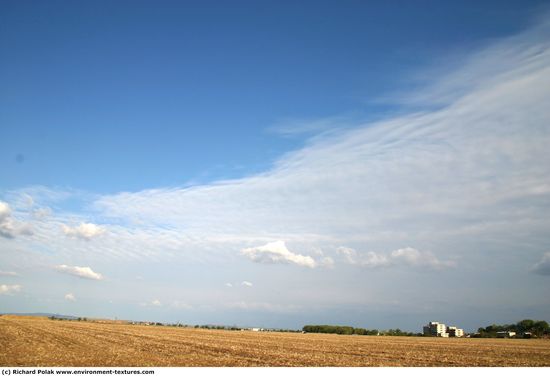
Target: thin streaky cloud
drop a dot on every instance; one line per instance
(299, 127)
(4, 273)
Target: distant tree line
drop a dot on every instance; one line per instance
(61, 318)
(349, 330)
(399, 332)
(538, 328)
(222, 327)
(217, 327)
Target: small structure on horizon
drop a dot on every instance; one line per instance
(506, 334)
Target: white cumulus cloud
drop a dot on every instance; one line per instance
(79, 271)
(246, 283)
(9, 289)
(70, 297)
(368, 259)
(152, 303)
(9, 227)
(5, 211)
(414, 257)
(277, 253)
(85, 231)
(407, 256)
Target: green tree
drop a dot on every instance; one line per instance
(540, 328)
(525, 325)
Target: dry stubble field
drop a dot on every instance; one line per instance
(32, 341)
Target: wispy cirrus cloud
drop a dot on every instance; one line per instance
(477, 167)
(460, 75)
(295, 127)
(42, 213)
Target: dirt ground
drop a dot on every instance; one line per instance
(38, 341)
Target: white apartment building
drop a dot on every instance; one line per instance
(455, 332)
(436, 329)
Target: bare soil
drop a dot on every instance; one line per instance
(38, 341)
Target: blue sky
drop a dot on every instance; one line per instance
(188, 91)
(276, 163)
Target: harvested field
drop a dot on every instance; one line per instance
(31, 341)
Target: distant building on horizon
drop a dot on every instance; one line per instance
(455, 332)
(437, 329)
